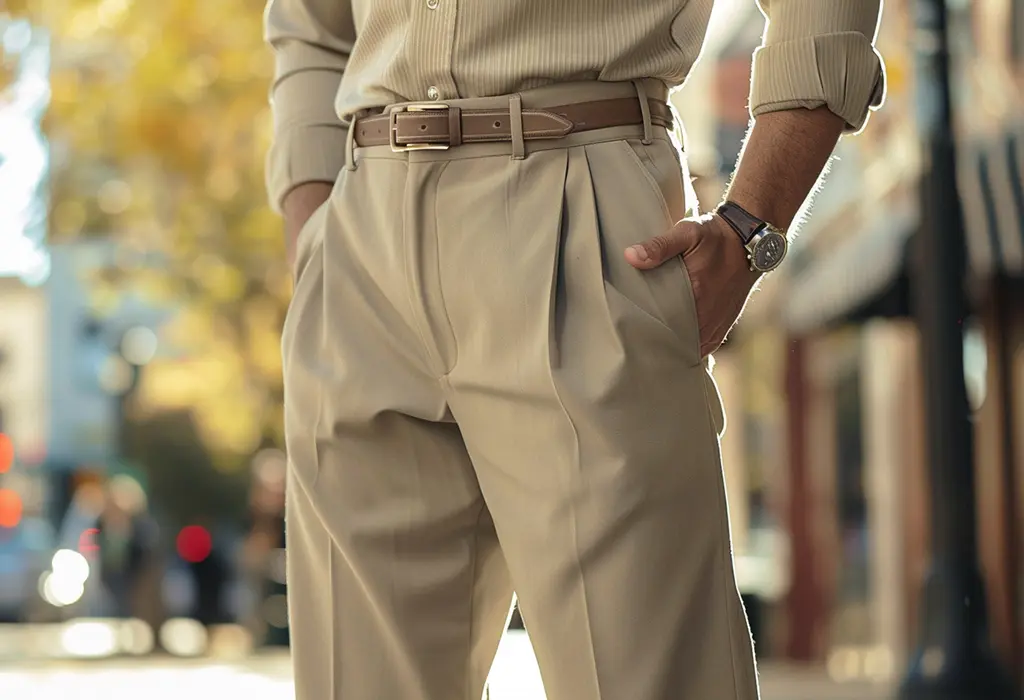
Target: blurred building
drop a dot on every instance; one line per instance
(822, 380)
(712, 106)
(24, 261)
(23, 369)
(97, 344)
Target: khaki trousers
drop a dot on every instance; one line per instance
(482, 396)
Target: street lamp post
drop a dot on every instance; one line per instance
(954, 660)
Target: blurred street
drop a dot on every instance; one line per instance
(869, 404)
(267, 677)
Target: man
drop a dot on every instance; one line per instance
(496, 355)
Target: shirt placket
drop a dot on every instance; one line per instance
(439, 22)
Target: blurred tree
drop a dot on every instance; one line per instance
(158, 126)
(182, 474)
(6, 75)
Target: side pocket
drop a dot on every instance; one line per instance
(304, 242)
(638, 153)
(665, 177)
(301, 341)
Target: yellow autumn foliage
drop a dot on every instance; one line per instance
(158, 125)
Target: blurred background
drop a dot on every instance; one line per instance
(143, 285)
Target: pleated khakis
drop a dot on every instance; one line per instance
(483, 396)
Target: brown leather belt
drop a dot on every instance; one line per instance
(437, 126)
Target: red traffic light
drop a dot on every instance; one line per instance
(194, 543)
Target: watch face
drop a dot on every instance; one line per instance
(768, 251)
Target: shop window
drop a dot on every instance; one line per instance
(1014, 147)
(1017, 33)
(853, 589)
(1017, 392)
(988, 197)
(975, 363)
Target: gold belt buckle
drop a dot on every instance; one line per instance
(393, 128)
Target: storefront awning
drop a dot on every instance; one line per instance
(852, 275)
(993, 203)
(867, 275)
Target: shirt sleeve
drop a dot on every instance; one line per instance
(311, 41)
(819, 53)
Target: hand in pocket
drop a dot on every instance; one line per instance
(719, 271)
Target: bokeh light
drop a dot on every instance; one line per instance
(61, 591)
(10, 508)
(194, 543)
(275, 611)
(6, 453)
(90, 639)
(229, 642)
(70, 564)
(139, 345)
(136, 637)
(115, 375)
(87, 541)
(184, 637)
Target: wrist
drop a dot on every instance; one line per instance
(298, 206)
(763, 244)
(302, 200)
(761, 207)
(782, 159)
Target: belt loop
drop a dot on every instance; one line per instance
(350, 145)
(455, 126)
(515, 113)
(645, 110)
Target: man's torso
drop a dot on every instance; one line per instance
(408, 50)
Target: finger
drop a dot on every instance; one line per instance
(656, 250)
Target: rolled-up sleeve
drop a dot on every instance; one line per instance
(311, 40)
(819, 53)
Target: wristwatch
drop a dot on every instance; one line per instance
(766, 245)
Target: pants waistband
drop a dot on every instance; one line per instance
(546, 113)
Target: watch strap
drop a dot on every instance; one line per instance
(740, 220)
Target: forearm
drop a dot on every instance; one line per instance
(311, 40)
(816, 76)
(297, 206)
(782, 160)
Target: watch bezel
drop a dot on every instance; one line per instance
(764, 234)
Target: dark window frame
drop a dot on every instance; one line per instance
(1017, 32)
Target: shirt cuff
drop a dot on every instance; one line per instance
(309, 140)
(841, 71)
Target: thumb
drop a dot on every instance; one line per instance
(657, 249)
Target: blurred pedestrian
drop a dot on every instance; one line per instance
(496, 355)
(126, 541)
(263, 546)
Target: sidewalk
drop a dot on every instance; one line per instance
(515, 677)
(781, 682)
(267, 676)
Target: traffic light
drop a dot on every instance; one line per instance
(194, 544)
(209, 573)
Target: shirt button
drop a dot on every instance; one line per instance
(433, 93)
(432, 4)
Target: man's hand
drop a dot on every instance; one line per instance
(719, 271)
(780, 161)
(298, 205)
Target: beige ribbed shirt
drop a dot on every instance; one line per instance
(335, 57)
